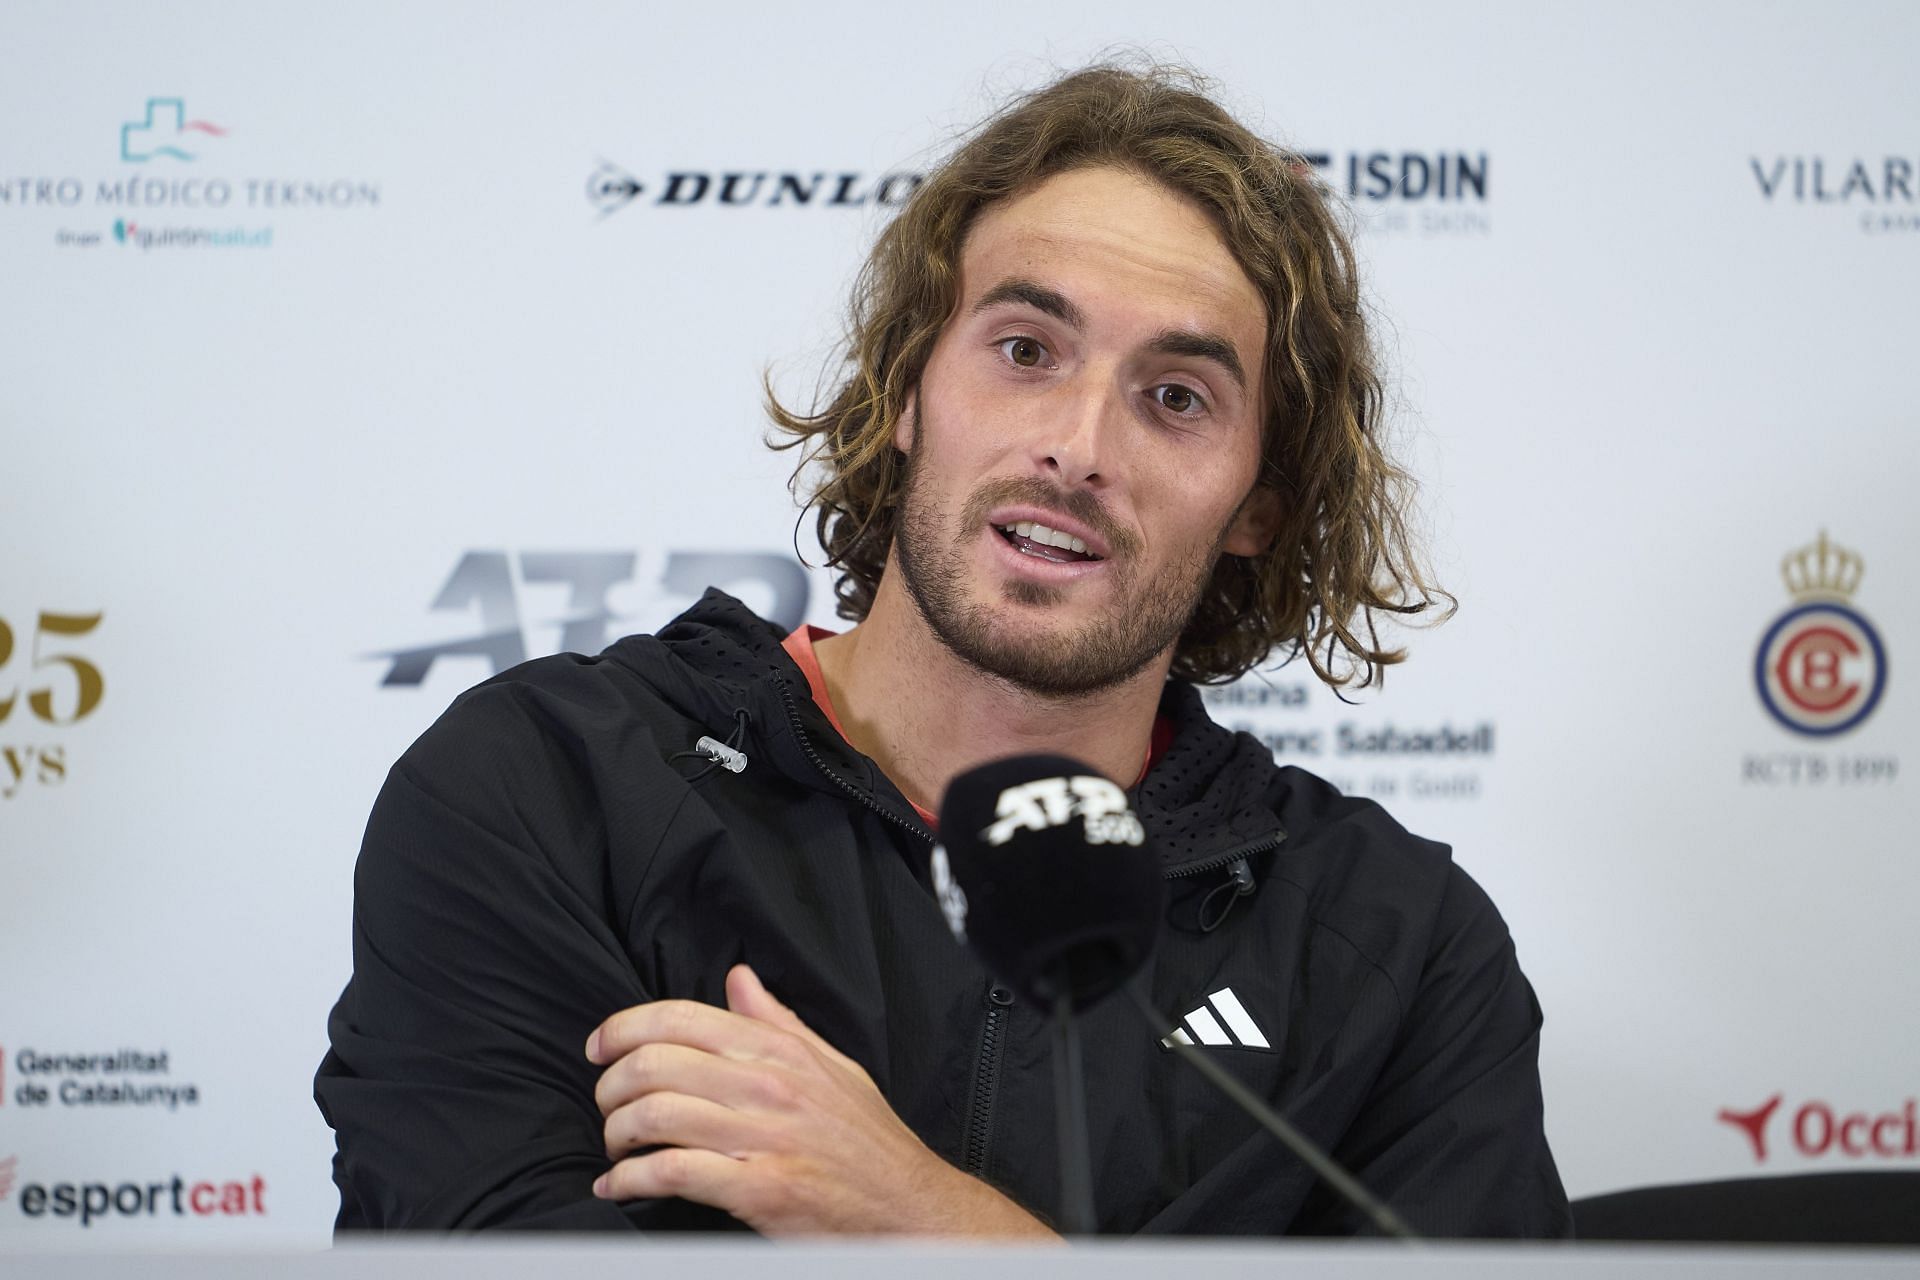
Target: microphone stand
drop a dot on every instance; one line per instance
(1070, 1122)
(1389, 1222)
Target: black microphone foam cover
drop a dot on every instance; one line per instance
(1058, 890)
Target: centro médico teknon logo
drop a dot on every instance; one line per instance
(1821, 668)
(166, 131)
(180, 186)
(1817, 1129)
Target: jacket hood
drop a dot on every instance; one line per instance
(1210, 794)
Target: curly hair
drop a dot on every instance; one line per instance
(1343, 553)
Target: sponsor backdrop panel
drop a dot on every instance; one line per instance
(352, 362)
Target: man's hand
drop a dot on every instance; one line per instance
(754, 1113)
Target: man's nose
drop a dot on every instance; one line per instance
(1077, 443)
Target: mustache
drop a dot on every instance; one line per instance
(1078, 503)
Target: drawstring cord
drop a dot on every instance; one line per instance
(719, 755)
(1218, 904)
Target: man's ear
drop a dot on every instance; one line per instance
(1255, 524)
(903, 428)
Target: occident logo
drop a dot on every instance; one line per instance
(1817, 1129)
(485, 584)
(611, 188)
(1820, 667)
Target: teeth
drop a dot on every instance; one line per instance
(1043, 536)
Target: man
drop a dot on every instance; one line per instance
(1110, 418)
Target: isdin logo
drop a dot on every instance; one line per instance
(164, 132)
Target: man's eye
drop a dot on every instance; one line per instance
(1175, 398)
(1024, 352)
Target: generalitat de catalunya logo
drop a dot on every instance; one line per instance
(1820, 668)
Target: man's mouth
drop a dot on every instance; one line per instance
(1031, 538)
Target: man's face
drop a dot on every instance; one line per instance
(1097, 386)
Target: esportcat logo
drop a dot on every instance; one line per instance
(176, 1196)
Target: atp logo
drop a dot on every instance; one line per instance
(1818, 1130)
(485, 582)
(1049, 802)
(166, 131)
(1821, 667)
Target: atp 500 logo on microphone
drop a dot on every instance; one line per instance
(1051, 802)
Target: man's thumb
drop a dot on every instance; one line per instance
(749, 998)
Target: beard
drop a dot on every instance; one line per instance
(1144, 619)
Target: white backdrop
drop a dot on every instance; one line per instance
(315, 318)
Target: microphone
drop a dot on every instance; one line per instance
(1045, 872)
(1050, 881)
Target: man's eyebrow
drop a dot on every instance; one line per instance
(1033, 294)
(1202, 346)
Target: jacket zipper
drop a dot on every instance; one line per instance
(806, 745)
(993, 1035)
(986, 1080)
(978, 1140)
(1230, 857)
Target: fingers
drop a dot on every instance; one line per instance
(680, 1120)
(675, 1068)
(705, 1177)
(749, 997)
(690, 1023)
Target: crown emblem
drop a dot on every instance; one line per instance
(1822, 570)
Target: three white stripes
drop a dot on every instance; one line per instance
(1240, 1029)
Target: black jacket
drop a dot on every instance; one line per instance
(540, 859)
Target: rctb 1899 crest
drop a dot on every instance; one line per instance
(1821, 667)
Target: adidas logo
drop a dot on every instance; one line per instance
(1240, 1030)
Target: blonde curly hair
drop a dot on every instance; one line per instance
(1343, 553)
